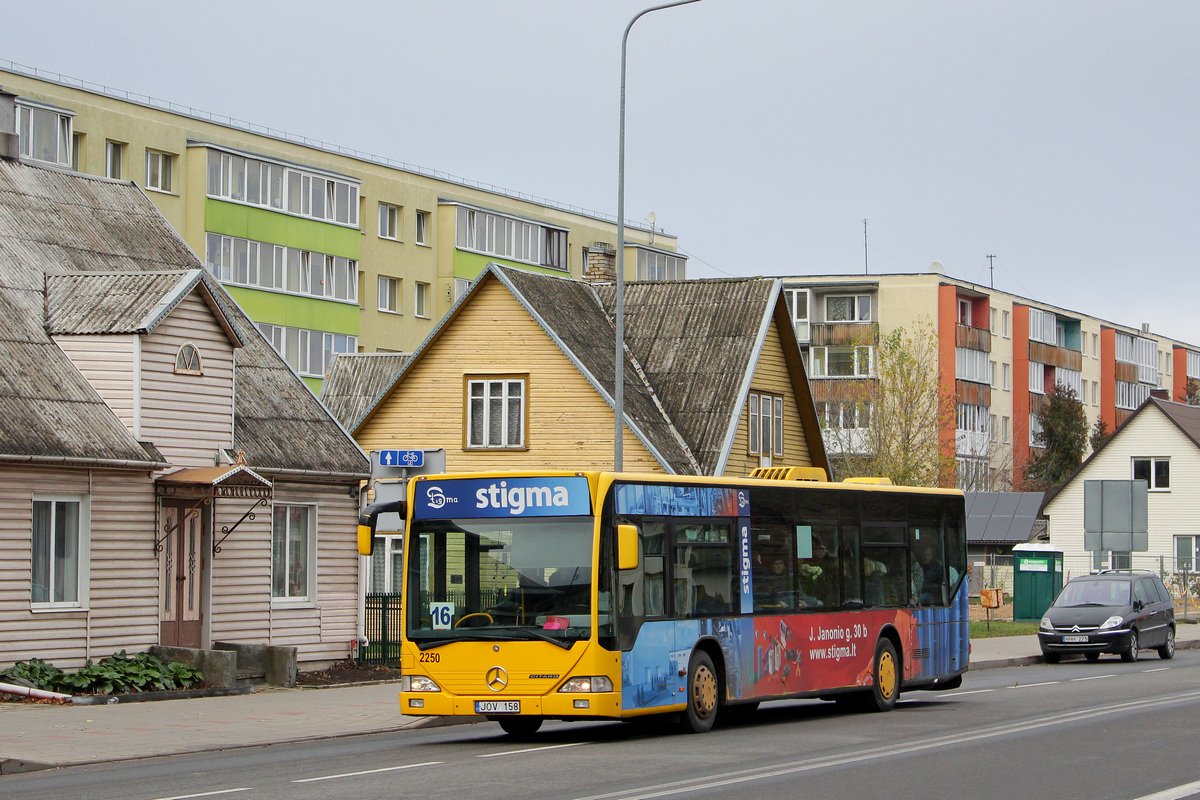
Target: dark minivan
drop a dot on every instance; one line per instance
(1115, 611)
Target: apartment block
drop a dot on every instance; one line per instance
(998, 355)
(329, 250)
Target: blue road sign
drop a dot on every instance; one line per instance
(401, 458)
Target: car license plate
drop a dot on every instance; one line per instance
(497, 706)
(1075, 639)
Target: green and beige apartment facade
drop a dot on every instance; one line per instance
(328, 250)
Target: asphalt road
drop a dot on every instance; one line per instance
(1103, 731)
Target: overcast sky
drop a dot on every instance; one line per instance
(1062, 137)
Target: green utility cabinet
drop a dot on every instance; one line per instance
(1037, 579)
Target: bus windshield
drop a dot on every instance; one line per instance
(499, 579)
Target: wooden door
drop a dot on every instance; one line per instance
(181, 566)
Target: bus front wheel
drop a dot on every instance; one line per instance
(886, 674)
(520, 727)
(703, 694)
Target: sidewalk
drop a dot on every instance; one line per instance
(44, 736)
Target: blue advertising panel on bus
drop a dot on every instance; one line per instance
(502, 497)
(682, 501)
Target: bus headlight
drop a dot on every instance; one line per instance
(591, 683)
(418, 683)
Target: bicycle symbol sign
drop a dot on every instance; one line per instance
(401, 458)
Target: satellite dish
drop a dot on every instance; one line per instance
(936, 267)
(651, 217)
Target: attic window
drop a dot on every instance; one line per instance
(187, 361)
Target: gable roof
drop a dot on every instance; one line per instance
(125, 302)
(55, 223)
(1186, 418)
(356, 380)
(691, 348)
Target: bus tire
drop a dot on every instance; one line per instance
(520, 727)
(703, 694)
(886, 677)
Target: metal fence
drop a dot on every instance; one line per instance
(1180, 575)
(382, 622)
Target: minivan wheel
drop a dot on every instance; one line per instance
(1092, 656)
(1168, 647)
(1052, 658)
(1131, 653)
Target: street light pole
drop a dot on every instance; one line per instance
(619, 374)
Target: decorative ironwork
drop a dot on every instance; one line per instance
(228, 529)
(168, 528)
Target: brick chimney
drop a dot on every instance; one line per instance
(601, 266)
(1161, 394)
(10, 144)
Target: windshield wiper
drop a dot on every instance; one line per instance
(494, 636)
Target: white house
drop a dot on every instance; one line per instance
(1159, 443)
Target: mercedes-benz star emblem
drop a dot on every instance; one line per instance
(497, 679)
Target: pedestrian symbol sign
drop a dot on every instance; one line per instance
(401, 458)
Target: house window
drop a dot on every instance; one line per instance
(848, 308)
(1005, 377)
(971, 365)
(276, 186)
(45, 134)
(496, 413)
(114, 153)
(1095, 345)
(992, 323)
(797, 303)
(422, 300)
(387, 566)
(422, 236)
(60, 544)
(844, 414)
(389, 222)
(1095, 393)
(992, 375)
(293, 552)
(964, 312)
(1004, 324)
(1156, 472)
(77, 151)
(766, 424)
(308, 352)
(653, 266)
(1005, 430)
(187, 360)
(271, 266)
(159, 168)
(1187, 548)
(842, 362)
(389, 294)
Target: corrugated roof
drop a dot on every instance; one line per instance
(108, 303)
(1002, 517)
(55, 223)
(356, 381)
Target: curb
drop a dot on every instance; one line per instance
(1024, 661)
(143, 697)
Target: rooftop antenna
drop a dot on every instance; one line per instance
(651, 218)
(866, 263)
(991, 270)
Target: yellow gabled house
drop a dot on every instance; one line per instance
(520, 375)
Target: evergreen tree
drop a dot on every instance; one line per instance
(1063, 435)
(1099, 434)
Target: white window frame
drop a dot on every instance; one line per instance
(160, 171)
(860, 307)
(385, 562)
(1037, 377)
(655, 266)
(389, 222)
(309, 595)
(1004, 324)
(262, 182)
(422, 228)
(863, 361)
(800, 318)
(82, 541)
(421, 300)
(1153, 462)
(1005, 430)
(964, 312)
(1006, 377)
(29, 119)
(511, 393)
(114, 158)
(765, 420)
(971, 365)
(389, 294)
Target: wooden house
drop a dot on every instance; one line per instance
(165, 477)
(520, 375)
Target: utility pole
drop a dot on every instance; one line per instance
(991, 270)
(866, 263)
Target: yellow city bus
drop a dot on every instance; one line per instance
(596, 595)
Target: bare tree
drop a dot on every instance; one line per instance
(899, 416)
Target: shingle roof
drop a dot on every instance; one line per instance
(356, 381)
(55, 223)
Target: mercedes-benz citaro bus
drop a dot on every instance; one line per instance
(595, 595)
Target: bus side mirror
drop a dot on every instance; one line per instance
(366, 523)
(627, 547)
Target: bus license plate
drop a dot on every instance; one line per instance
(497, 706)
(1075, 639)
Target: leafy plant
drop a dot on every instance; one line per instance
(118, 674)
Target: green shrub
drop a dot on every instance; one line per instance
(117, 674)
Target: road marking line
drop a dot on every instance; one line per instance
(973, 691)
(531, 750)
(1157, 669)
(204, 794)
(367, 772)
(1175, 793)
(1006, 729)
(1030, 685)
(1091, 678)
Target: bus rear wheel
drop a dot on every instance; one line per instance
(520, 727)
(703, 694)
